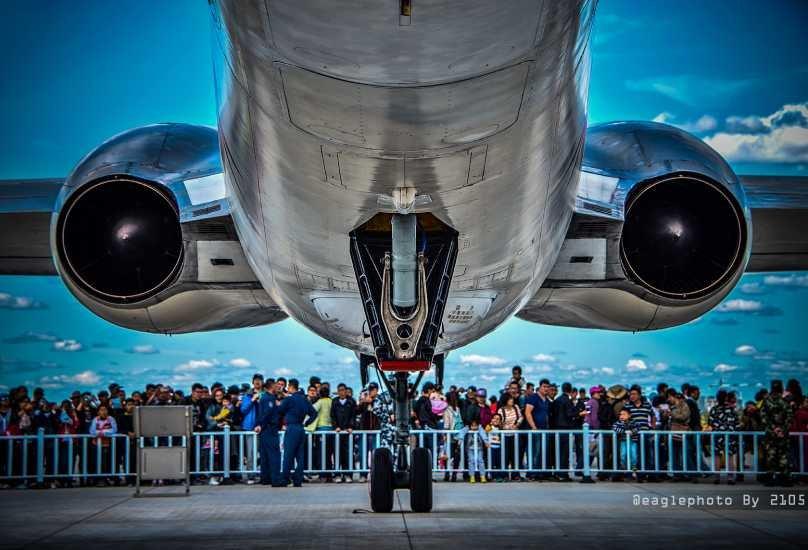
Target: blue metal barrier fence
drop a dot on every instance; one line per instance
(584, 452)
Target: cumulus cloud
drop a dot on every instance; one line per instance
(347, 360)
(636, 365)
(779, 137)
(144, 349)
(481, 360)
(67, 345)
(543, 358)
(84, 378)
(786, 281)
(195, 365)
(751, 288)
(10, 301)
(660, 367)
(609, 371)
(283, 371)
(745, 350)
(748, 307)
(723, 367)
(704, 123)
(240, 363)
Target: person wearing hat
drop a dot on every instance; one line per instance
(249, 408)
(297, 411)
(267, 426)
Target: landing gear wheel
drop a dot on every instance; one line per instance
(421, 480)
(381, 481)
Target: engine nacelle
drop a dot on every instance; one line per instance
(660, 236)
(135, 247)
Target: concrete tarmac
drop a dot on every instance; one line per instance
(507, 515)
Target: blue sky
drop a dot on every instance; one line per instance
(734, 73)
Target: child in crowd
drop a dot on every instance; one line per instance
(628, 443)
(495, 444)
(476, 441)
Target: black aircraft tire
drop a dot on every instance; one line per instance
(381, 481)
(421, 480)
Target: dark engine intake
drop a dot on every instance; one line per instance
(683, 236)
(120, 240)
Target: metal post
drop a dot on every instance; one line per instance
(40, 455)
(226, 451)
(587, 474)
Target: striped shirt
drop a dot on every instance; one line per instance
(640, 414)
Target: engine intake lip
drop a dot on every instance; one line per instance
(717, 244)
(119, 239)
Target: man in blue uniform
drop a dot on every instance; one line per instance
(267, 425)
(295, 409)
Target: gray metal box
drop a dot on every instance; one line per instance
(163, 462)
(163, 421)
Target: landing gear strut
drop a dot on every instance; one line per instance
(403, 468)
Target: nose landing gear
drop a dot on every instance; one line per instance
(401, 468)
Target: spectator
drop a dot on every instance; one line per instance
(537, 415)
(724, 418)
(323, 444)
(679, 415)
(343, 414)
(475, 440)
(776, 414)
(511, 420)
(627, 433)
(495, 443)
(643, 418)
(216, 419)
(249, 408)
(102, 428)
(566, 417)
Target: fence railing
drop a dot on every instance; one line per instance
(236, 453)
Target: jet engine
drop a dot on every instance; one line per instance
(142, 235)
(660, 234)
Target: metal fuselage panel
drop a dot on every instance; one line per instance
(326, 107)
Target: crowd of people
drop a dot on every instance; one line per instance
(501, 436)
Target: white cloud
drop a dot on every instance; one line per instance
(791, 281)
(704, 123)
(609, 371)
(240, 363)
(745, 306)
(196, 364)
(9, 301)
(543, 358)
(67, 345)
(84, 378)
(347, 360)
(635, 365)
(283, 371)
(481, 360)
(144, 349)
(723, 367)
(487, 378)
(779, 137)
(660, 367)
(745, 349)
(751, 288)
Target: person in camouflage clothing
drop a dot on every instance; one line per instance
(383, 409)
(776, 415)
